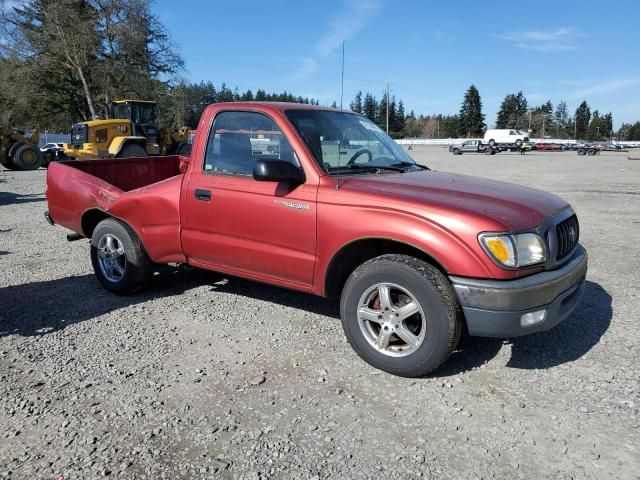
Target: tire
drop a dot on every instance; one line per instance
(6, 162)
(582, 151)
(488, 151)
(410, 281)
(518, 142)
(132, 150)
(28, 157)
(48, 156)
(456, 151)
(492, 142)
(591, 151)
(124, 250)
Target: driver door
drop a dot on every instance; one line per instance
(235, 223)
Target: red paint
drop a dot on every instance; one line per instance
(246, 230)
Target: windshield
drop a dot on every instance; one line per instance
(140, 114)
(342, 141)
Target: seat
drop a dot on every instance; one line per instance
(235, 154)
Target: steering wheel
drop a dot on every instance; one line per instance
(362, 151)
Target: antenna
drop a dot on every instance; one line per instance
(342, 77)
(340, 123)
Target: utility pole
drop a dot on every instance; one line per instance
(575, 127)
(529, 129)
(387, 109)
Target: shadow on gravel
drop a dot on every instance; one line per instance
(570, 340)
(9, 198)
(39, 308)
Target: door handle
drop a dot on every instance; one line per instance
(202, 195)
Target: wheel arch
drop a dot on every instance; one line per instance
(119, 143)
(356, 252)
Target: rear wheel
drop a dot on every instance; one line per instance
(518, 142)
(400, 315)
(118, 258)
(456, 151)
(28, 157)
(492, 142)
(132, 150)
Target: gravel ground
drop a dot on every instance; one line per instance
(206, 376)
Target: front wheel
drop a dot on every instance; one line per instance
(400, 315)
(119, 261)
(492, 142)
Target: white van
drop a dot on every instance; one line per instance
(506, 135)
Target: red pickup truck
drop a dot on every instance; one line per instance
(322, 201)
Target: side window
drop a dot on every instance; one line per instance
(238, 139)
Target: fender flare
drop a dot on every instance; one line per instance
(118, 143)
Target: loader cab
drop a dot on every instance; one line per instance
(141, 114)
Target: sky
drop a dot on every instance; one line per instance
(429, 52)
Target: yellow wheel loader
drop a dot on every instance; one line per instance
(19, 150)
(131, 132)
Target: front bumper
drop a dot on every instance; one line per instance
(495, 308)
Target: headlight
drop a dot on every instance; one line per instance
(519, 250)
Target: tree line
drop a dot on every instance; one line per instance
(64, 61)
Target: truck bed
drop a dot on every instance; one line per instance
(130, 173)
(144, 191)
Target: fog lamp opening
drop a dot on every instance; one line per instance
(533, 318)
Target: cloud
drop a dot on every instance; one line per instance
(557, 40)
(351, 18)
(609, 86)
(441, 36)
(308, 67)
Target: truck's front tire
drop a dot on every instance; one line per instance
(400, 315)
(118, 258)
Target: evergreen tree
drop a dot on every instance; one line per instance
(370, 107)
(471, 118)
(561, 118)
(356, 105)
(508, 112)
(606, 125)
(522, 108)
(400, 119)
(582, 118)
(594, 132)
(381, 119)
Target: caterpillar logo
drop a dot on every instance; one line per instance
(297, 206)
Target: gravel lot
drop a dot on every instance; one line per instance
(205, 376)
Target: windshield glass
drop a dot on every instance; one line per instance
(143, 114)
(341, 141)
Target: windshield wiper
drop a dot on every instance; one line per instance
(411, 164)
(393, 168)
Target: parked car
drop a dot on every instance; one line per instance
(473, 146)
(52, 146)
(413, 255)
(547, 146)
(506, 136)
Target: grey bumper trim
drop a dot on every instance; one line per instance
(524, 293)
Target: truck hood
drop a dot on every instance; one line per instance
(513, 206)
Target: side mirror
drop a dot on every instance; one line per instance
(278, 171)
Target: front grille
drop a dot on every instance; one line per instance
(567, 233)
(79, 134)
